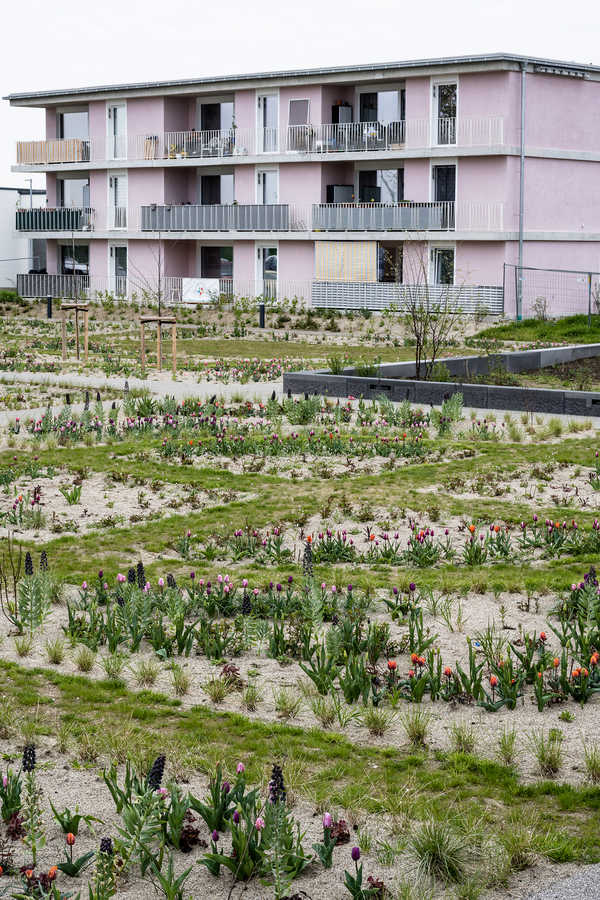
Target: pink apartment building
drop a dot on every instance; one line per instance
(339, 186)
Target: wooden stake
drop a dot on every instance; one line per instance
(77, 331)
(85, 333)
(63, 331)
(158, 347)
(174, 346)
(143, 348)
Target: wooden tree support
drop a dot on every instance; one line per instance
(159, 321)
(78, 308)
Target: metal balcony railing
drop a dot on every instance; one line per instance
(117, 217)
(220, 217)
(383, 216)
(62, 219)
(377, 296)
(351, 137)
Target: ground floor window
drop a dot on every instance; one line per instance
(443, 265)
(75, 260)
(389, 263)
(216, 262)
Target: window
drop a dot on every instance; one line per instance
(73, 192)
(73, 124)
(445, 109)
(216, 116)
(443, 265)
(382, 106)
(389, 263)
(216, 262)
(444, 183)
(216, 189)
(74, 260)
(381, 185)
(298, 112)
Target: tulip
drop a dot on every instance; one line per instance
(355, 853)
(327, 820)
(70, 839)
(241, 768)
(259, 824)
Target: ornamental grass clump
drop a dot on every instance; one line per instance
(439, 850)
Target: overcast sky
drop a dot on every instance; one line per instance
(77, 43)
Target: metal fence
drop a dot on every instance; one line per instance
(469, 299)
(531, 292)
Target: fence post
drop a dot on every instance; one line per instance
(518, 307)
(503, 286)
(48, 307)
(589, 299)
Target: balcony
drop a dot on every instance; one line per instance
(44, 153)
(219, 217)
(351, 137)
(62, 219)
(383, 216)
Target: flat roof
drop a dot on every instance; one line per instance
(301, 73)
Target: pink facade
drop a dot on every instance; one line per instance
(458, 189)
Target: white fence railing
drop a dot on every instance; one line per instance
(60, 219)
(327, 294)
(350, 137)
(436, 216)
(375, 296)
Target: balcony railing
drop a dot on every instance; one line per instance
(328, 294)
(70, 150)
(220, 217)
(62, 219)
(383, 216)
(351, 137)
(117, 217)
(376, 295)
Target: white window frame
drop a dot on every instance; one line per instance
(259, 133)
(442, 161)
(110, 104)
(60, 110)
(110, 257)
(434, 100)
(298, 100)
(377, 88)
(258, 271)
(441, 245)
(115, 173)
(260, 170)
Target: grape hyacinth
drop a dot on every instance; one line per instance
(276, 786)
(155, 775)
(131, 576)
(43, 561)
(28, 564)
(28, 764)
(307, 560)
(140, 575)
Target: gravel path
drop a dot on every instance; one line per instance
(585, 884)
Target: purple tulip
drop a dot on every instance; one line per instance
(327, 820)
(215, 836)
(355, 853)
(236, 817)
(412, 586)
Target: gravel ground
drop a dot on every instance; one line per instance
(585, 884)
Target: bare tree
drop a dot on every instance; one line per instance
(431, 312)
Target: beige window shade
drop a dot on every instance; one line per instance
(346, 260)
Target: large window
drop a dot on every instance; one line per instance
(443, 265)
(216, 262)
(381, 185)
(73, 124)
(216, 116)
(73, 192)
(382, 106)
(74, 260)
(216, 189)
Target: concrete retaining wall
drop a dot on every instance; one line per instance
(394, 381)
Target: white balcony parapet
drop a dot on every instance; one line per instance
(60, 219)
(436, 216)
(351, 137)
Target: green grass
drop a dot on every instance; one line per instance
(571, 329)
(334, 770)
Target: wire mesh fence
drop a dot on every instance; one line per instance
(531, 292)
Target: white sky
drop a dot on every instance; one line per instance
(77, 43)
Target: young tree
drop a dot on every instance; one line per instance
(430, 312)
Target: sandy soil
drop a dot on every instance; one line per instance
(104, 503)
